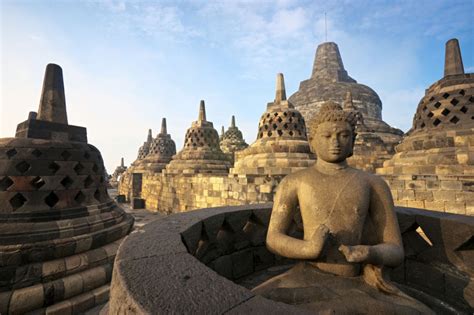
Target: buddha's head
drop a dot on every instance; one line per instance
(333, 132)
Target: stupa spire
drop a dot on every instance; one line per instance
(202, 111)
(52, 105)
(453, 59)
(164, 130)
(232, 122)
(328, 64)
(122, 163)
(280, 94)
(150, 136)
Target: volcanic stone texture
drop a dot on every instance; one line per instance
(281, 146)
(168, 267)
(434, 165)
(330, 82)
(59, 229)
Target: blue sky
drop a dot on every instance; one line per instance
(127, 64)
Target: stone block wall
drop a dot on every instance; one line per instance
(181, 193)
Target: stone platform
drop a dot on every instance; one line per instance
(167, 268)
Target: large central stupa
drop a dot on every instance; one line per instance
(331, 82)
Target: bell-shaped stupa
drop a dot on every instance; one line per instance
(330, 82)
(201, 153)
(160, 151)
(59, 229)
(281, 146)
(434, 165)
(232, 140)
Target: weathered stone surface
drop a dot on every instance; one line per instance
(155, 272)
(58, 225)
(281, 146)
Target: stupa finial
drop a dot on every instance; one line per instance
(202, 111)
(164, 130)
(280, 94)
(122, 163)
(232, 122)
(150, 136)
(52, 105)
(453, 59)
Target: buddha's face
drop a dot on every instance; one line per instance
(333, 141)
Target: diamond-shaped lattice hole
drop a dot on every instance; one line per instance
(446, 95)
(11, 153)
(80, 197)
(66, 155)
(436, 122)
(53, 167)
(37, 182)
(437, 104)
(430, 114)
(463, 109)
(454, 120)
(432, 99)
(97, 195)
(445, 112)
(78, 168)
(423, 235)
(275, 126)
(17, 201)
(51, 199)
(5, 183)
(95, 168)
(471, 99)
(279, 119)
(67, 182)
(23, 167)
(88, 182)
(462, 92)
(467, 245)
(280, 133)
(424, 108)
(454, 102)
(291, 133)
(422, 125)
(37, 153)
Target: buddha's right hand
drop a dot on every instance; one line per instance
(317, 240)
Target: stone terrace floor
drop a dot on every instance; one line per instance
(142, 217)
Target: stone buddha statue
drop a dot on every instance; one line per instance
(350, 230)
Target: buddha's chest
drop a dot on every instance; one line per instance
(341, 204)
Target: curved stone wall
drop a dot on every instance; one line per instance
(186, 263)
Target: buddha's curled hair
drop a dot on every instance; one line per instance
(331, 111)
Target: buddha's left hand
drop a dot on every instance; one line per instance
(355, 254)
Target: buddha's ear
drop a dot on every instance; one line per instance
(352, 147)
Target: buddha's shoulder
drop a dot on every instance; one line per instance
(370, 178)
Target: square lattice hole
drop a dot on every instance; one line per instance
(463, 109)
(80, 197)
(17, 201)
(454, 120)
(436, 122)
(79, 168)
(23, 167)
(51, 200)
(445, 95)
(53, 167)
(5, 183)
(437, 105)
(11, 153)
(37, 182)
(454, 102)
(66, 155)
(67, 182)
(36, 153)
(88, 182)
(445, 112)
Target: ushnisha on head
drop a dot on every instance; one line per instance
(333, 132)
